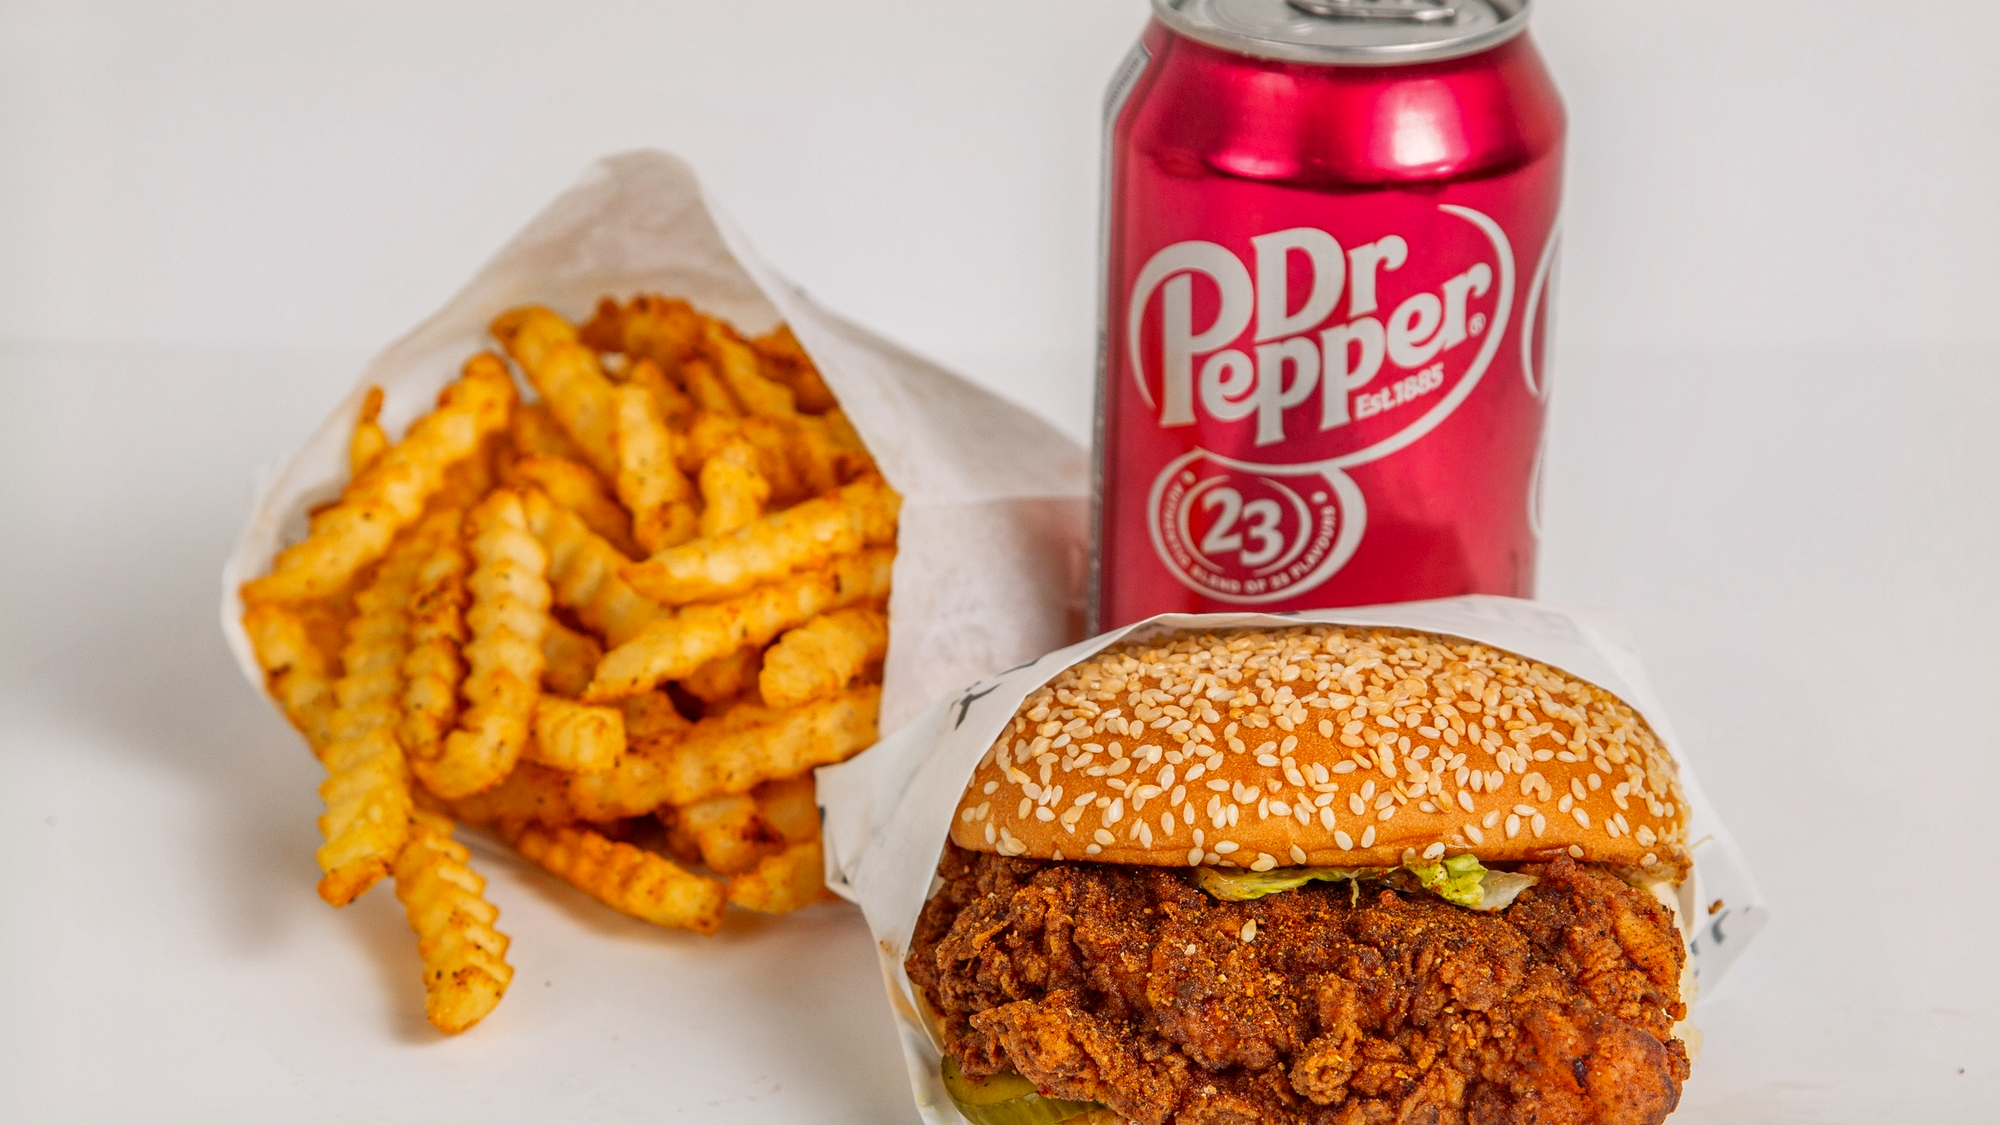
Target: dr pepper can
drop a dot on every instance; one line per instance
(1330, 234)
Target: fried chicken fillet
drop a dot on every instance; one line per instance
(1327, 1005)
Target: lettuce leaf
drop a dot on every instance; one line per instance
(1461, 880)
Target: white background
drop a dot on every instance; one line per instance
(1774, 452)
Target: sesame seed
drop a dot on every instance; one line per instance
(1513, 825)
(1368, 837)
(1576, 851)
(1103, 837)
(1194, 860)
(1434, 851)
(1298, 855)
(1250, 930)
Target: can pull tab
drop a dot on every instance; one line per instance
(1408, 11)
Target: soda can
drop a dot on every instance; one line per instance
(1330, 237)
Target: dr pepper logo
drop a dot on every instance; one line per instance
(1293, 366)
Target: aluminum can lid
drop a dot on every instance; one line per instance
(1348, 32)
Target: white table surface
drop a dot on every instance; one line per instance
(1805, 546)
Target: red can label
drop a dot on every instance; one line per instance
(1318, 400)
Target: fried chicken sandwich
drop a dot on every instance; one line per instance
(1325, 875)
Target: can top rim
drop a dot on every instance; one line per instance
(1274, 34)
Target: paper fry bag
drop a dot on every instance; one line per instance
(889, 812)
(990, 551)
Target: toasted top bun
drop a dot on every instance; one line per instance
(1325, 745)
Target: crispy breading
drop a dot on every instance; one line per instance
(358, 529)
(584, 572)
(672, 647)
(817, 659)
(1128, 986)
(569, 378)
(509, 614)
(862, 514)
(465, 958)
(649, 887)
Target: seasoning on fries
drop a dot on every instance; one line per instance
(618, 625)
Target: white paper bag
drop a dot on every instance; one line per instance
(991, 549)
(888, 812)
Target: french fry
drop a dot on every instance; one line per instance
(464, 957)
(367, 789)
(790, 466)
(575, 486)
(673, 647)
(569, 378)
(818, 461)
(509, 614)
(652, 486)
(862, 514)
(787, 362)
(297, 672)
(736, 362)
(584, 572)
(651, 715)
(391, 495)
(709, 432)
(789, 807)
(794, 878)
(533, 429)
(822, 656)
(532, 794)
(605, 330)
(635, 785)
(568, 659)
(369, 439)
(726, 677)
(708, 390)
(664, 330)
(434, 666)
(628, 880)
(676, 409)
(576, 738)
(729, 833)
(750, 745)
(733, 491)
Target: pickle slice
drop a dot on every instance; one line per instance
(1006, 1099)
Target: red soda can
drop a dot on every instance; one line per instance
(1330, 234)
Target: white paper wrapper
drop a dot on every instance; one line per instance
(888, 812)
(990, 553)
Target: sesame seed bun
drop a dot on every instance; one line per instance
(1325, 745)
